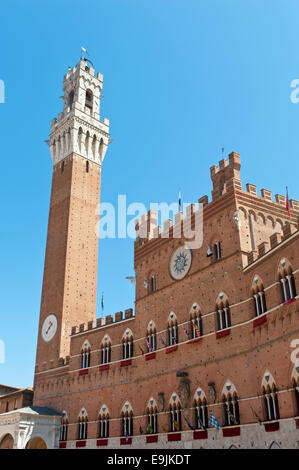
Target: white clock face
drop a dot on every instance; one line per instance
(49, 327)
(180, 263)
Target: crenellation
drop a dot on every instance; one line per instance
(280, 199)
(118, 316)
(275, 239)
(100, 322)
(263, 248)
(204, 200)
(128, 313)
(108, 319)
(266, 194)
(251, 189)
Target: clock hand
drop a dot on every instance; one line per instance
(50, 325)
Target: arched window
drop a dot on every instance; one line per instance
(217, 250)
(287, 281)
(259, 296)
(175, 415)
(85, 355)
(173, 334)
(104, 422)
(152, 283)
(82, 424)
(152, 417)
(71, 98)
(200, 410)
(127, 420)
(151, 339)
(63, 427)
(127, 345)
(195, 321)
(223, 312)
(271, 402)
(106, 350)
(231, 409)
(88, 100)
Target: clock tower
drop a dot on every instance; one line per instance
(78, 143)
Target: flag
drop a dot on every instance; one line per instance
(188, 424)
(231, 417)
(256, 415)
(213, 421)
(149, 429)
(102, 301)
(149, 345)
(287, 203)
(201, 424)
(140, 430)
(140, 348)
(162, 341)
(195, 329)
(185, 331)
(180, 201)
(176, 425)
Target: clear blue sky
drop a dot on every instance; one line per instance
(182, 79)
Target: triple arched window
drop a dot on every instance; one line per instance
(127, 420)
(127, 345)
(287, 281)
(106, 352)
(172, 330)
(231, 409)
(152, 417)
(195, 321)
(85, 355)
(82, 425)
(151, 337)
(104, 422)
(201, 412)
(271, 402)
(175, 414)
(259, 296)
(223, 312)
(63, 428)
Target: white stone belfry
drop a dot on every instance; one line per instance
(79, 129)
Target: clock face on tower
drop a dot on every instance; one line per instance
(180, 263)
(49, 327)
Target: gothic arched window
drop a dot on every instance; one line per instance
(82, 424)
(104, 422)
(259, 296)
(173, 334)
(175, 415)
(287, 281)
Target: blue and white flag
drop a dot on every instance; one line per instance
(213, 421)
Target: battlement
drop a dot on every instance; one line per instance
(274, 240)
(147, 227)
(226, 175)
(82, 64)
(101, 322)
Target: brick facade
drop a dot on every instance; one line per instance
(259, 246)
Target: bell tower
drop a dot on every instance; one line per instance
(78, 143)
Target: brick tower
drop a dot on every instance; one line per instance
(78, 143)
